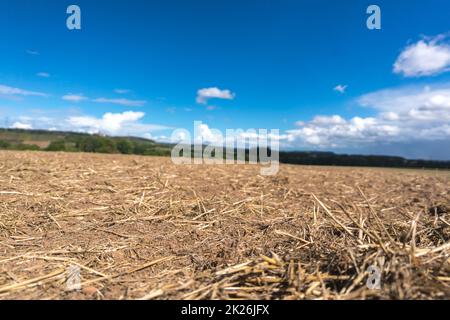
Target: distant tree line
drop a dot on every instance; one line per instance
(16, 139)
(332, 159)
(96, 144)
(100, 144)
(6, 145)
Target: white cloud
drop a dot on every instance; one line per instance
(43, 74)
(110, 122)
(11, 91)
(325, 120)
(125, 123)
(20, 125)
(203, 95)
(123, 102)
(429, 56)
(74, 97)
(403, 115)
(389, 116)
(203, 133)
(346, 133)
(410, 103)
(129, 123)
(340, 88)
(122, 91)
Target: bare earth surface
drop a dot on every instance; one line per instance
(143, 228)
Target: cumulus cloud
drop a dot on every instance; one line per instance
(74, 97)
(209, 135)
(20, 125)
(326, 132)
(129, 123)
(340, 88)
(427, 57)
(241, 138)
(325, 120)
(109, 122)
(122, 102)
(125, 123)
(389, 116)
(11, 91)
(403, 115)
(414, 103)
(203, 95)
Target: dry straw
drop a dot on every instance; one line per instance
(143, 228)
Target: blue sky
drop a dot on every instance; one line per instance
(309, 68)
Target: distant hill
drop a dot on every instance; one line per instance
(18, 139)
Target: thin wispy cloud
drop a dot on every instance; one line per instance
(12, 91)
(79, 97)
(122, 102)
(427, 57)
(74, 97)
(122, 91)
(204, 95)
(43, 74)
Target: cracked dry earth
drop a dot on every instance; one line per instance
(143, 228)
